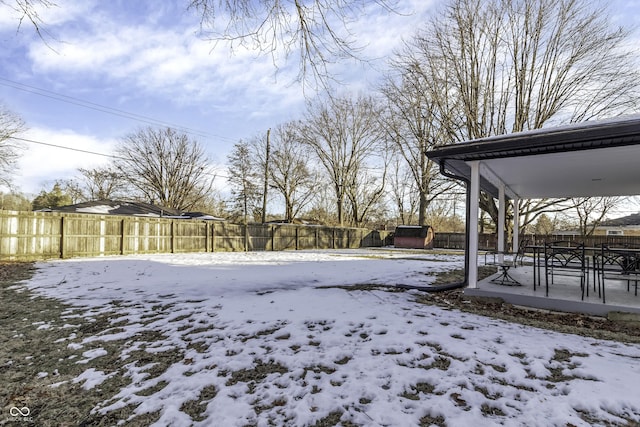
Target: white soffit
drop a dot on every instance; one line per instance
(597, 172)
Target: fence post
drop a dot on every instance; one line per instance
(173, 236)
(246, 237)
(63, 225)
(122, 236)
(316, 244)
(297, 236)
(213, 238)
(333, 238)
(206, 236)
(273, 238)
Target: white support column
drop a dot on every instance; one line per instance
(516, 224)
(501, 216)
(474, 207)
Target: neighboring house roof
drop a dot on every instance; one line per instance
(625, 221)
(201, 215)
(120, 207)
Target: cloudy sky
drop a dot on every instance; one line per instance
(105, 69)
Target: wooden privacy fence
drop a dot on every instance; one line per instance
(589, 241)
(489, 241)
(42, 235)
(457, 241)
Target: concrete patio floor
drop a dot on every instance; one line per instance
(564, 293)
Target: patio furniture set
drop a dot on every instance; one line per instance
(592, 266)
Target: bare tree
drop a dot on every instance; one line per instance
(322, 205)
(592, 210)
(265, 188)
(166, 167)
(289, 173)
(369, 185)
(317, 31)
(284, 161)
(443, 214)
(244, 179)
(413, 124)
(531, 209)
(403, 191)
(101, 183)
(515, 65)
(344, 134)
(71, 187)
(10, 126)
(365, 193)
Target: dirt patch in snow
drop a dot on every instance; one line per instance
(41, 360)
(572, 323)
(41, 357)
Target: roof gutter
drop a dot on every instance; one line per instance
(575, 137)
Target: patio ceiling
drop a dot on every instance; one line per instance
(588, 159)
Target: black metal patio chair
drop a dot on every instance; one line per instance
(561, 258)
(621, 264)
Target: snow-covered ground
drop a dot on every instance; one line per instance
(262, 340)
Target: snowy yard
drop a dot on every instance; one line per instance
(266, 338)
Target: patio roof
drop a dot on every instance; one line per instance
(599, 158)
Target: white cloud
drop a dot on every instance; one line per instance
(382, 31)
(166, 62)
(64, 11)
(145, 55)
(42, 164)
(58, 13)
(170, 61)
(9, 19)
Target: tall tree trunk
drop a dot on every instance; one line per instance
(266, 179)
(422, 208)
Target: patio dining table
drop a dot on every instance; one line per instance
(536, 250)
(592, 252)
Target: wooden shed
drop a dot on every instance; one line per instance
(413, 236)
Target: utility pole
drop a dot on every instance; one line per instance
(266, 179)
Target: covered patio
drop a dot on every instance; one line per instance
(590, 159)
(564, 294)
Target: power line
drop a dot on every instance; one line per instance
(112, 156)
(67, 148)
(104, 109)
